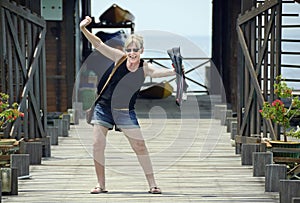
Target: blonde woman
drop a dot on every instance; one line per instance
(115, 108)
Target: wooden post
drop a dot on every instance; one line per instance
(229, 120)
(0, 190)
(233, 132)
(46, 147)
(274, 173)
(247, 151)
(14, 181)
(34, 149)
(289, 189)
(238, 148)
(296, 200)
(224, 115)
(52, 131)
(9, 178)
(77, 106)
(260, 160)
(58, 123)
(218, 110)
(65, 128)
(21, 162)
(67, 116)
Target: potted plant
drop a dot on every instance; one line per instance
(8, 113)
(281, 111)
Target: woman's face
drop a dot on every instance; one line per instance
(133, 53)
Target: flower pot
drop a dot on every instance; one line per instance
(7, 141)
(281, 144)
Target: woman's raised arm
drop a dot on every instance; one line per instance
(110, 52)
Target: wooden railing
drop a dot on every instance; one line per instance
(23, 68)
(200, 64)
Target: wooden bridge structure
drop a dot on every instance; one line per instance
(23, 68)
(253, 62)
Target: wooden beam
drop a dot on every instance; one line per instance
(258, 70)
(24, 13)
(250, 66)
(249, 15)
(14, 33)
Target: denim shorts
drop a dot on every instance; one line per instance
(118, 118)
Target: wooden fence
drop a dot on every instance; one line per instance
(259, 32)
(23, 68)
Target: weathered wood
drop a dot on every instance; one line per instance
(0, 190)
(224, 115)
(59, 124)
(274, 173)
(219, 110)
(233, 133)
(260, 160)
(194, 177)
(262, 53)
(22, 12)
(34, 149)
(21, 162)
(250, 66)
(14, 181)
(24, 34)
(68, 118)
(247, 153)
(255, 12)
(9, 180)
(52, 132)
(46, 146)
(289, 189)
(296, 200)
(229, 120)
(65, 127)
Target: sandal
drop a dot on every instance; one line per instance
(155, 190)
(98, 190)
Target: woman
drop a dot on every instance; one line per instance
(115, 108)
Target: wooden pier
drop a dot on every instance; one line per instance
(192, 157)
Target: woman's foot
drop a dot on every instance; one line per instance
(98, 190)
(155, 190)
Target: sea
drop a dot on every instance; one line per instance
(193, 47)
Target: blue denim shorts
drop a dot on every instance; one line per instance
(118, 118)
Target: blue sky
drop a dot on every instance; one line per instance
(186, 18)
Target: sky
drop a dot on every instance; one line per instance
(186, 18)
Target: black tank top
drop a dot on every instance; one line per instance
(123, 88)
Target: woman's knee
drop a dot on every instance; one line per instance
(99, 138)
(139, 147)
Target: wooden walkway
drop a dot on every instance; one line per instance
(193, 162)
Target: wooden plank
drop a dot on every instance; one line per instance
(249, 15)
(278, 149)
(261, 56)
(252, 72)
(23, 13)
(16, 43)
(193, 176)
(286, 160)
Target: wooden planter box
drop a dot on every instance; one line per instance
(7, 147)
(285, 152)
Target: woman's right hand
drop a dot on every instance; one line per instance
(85, 22)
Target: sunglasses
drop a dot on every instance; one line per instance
(130, 50)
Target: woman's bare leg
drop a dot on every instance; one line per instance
(99, 133)
(138, 145)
